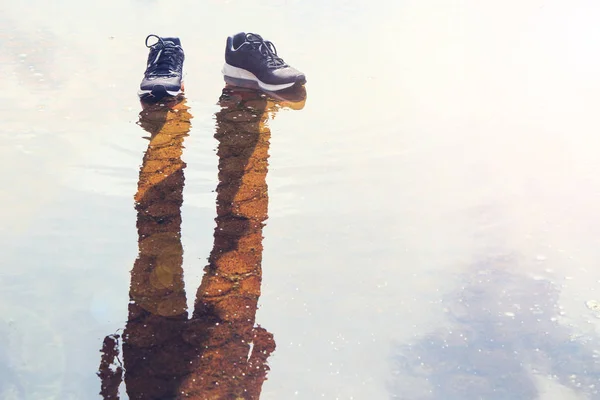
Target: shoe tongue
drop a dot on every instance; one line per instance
(253, 37)
(172, 40)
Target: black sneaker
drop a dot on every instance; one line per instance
(165, 68)
(252, 61)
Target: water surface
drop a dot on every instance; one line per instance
(432, 206)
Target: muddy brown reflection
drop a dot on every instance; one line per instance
(218, 353)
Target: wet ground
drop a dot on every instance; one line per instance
(421, 223)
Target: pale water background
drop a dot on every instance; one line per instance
(442, 177)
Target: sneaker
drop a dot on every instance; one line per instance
(165, 68)
(251, 60)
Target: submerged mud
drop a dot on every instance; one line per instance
(217, 352)
(505, 336)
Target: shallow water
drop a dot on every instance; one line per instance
(432, 226)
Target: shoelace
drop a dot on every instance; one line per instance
(163, 63)
(266, 48)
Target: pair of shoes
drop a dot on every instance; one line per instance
(250, 61)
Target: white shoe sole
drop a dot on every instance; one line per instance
(144, 93)
(243, 75)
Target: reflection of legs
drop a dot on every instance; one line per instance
(234, 351)
(157, 307)
(234, 272)
(228, 295)
(157, 276)
(154, 354)
(166, 355)
(219, 353)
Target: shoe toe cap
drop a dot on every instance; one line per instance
(286, 75)
(169, 82)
